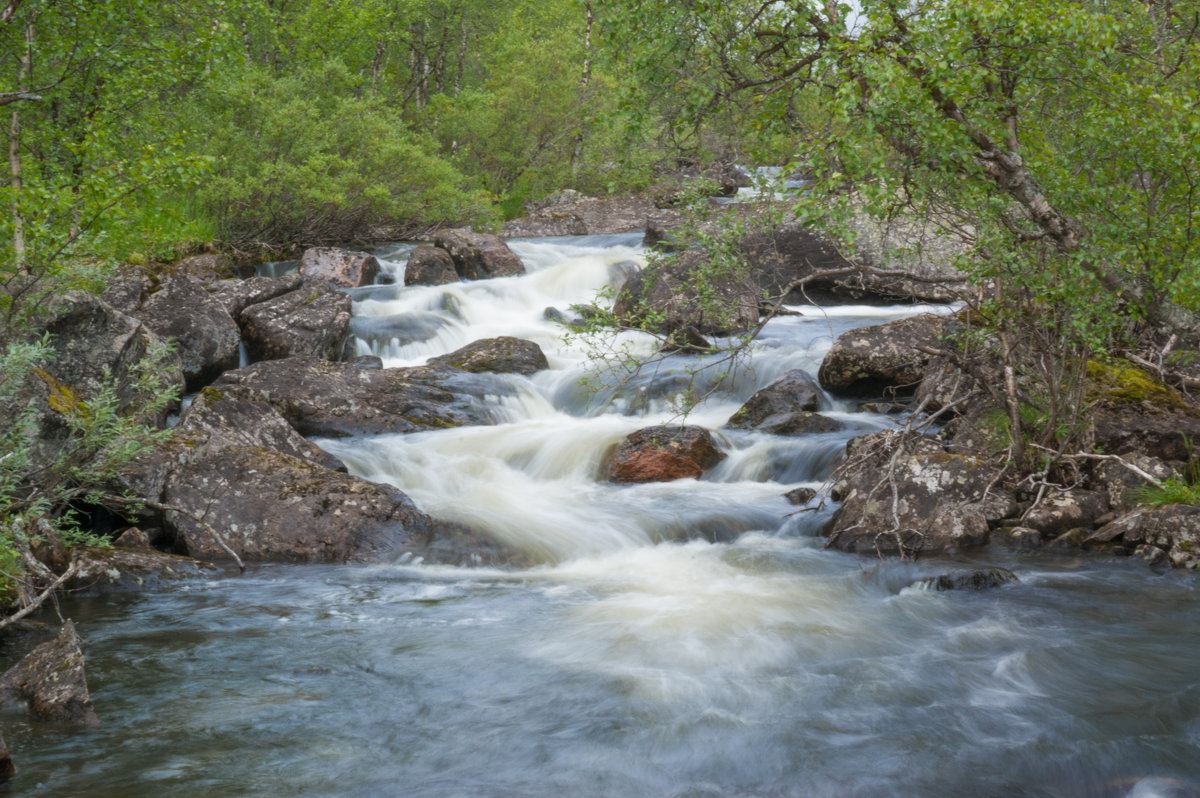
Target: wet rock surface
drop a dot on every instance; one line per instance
(785, 407)
(52, 681)
(342, 267)
(503, 355)
(663, 454)
(978, 579)
(320, 398)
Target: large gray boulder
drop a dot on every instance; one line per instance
(270, 506)
(205, 335)
(904, 496)
(236, 474)
(869, 361)
(479, 256)
(342, 267)
(52, 681)
(320, 398)
(311, 321)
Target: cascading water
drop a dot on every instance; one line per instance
(679, 639)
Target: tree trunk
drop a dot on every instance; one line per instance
(584, 81)
(14, 155)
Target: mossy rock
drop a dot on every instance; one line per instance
(1121, 384)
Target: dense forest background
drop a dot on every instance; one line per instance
(140, 128)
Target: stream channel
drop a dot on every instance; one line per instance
(680, 639)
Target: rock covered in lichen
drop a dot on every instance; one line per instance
(52, 681)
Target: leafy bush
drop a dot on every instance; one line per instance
(39, 489)
(301, 158)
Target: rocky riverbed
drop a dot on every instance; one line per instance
(615, 586)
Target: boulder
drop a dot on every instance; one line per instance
(977, 579)
(778, 256)
(52, 681)
(94, 348)
(221, 420)
(907, 496)
(663, 454)
(800, 495)
(479, 256)
(1136, 413)
(785, 408)
(341, 267)
(869, 361)
(1120, 484)
(312, 321)
(237, 295)
(1170, 528)
(665, 297)
(319, 398)
(270, 506)
(429, 266)
(503, 355)
(271, 495)
(126, 289)
(205, 335)
(1060, 512)
(206, 268)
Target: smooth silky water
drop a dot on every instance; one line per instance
(681, 639)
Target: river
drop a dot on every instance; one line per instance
(687, 639)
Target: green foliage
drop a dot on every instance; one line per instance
(40, 480)
(302, 158)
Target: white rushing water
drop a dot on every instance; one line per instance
(680, 639)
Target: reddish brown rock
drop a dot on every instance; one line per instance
(339, 266)
(51, 680)
(663, 454)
